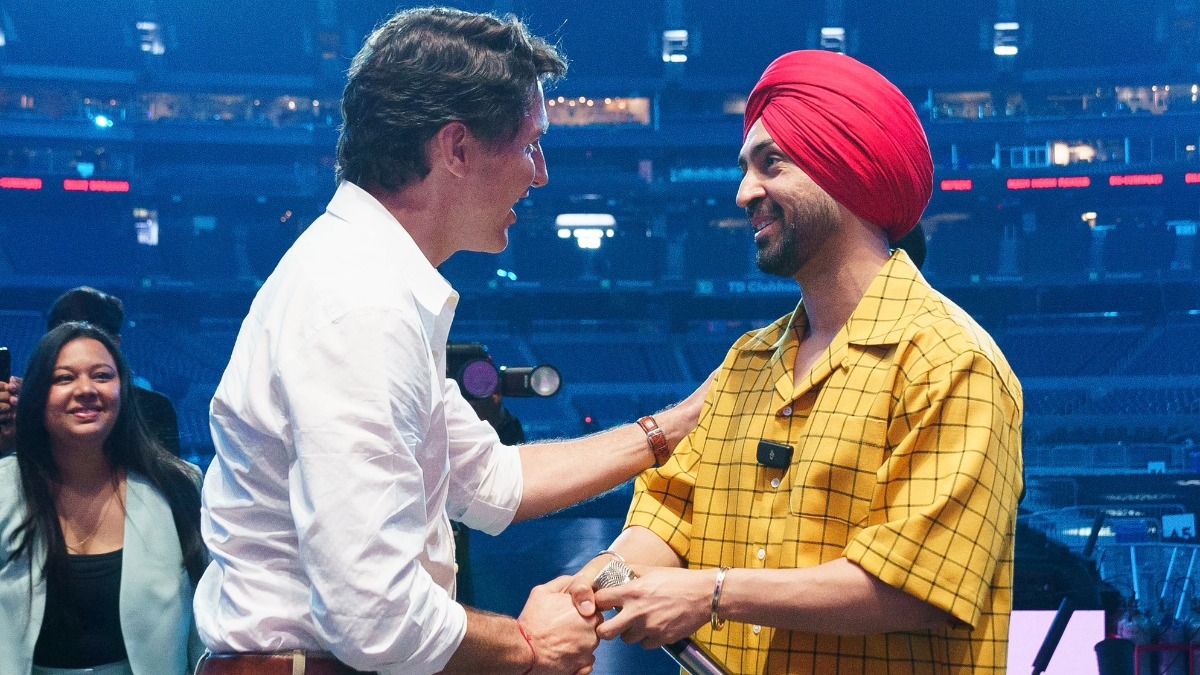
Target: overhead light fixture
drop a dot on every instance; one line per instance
(674, 46)
(585, 220)
(150, 36)
(1005, 38)
(833, 39)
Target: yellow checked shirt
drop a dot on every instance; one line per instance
(907, 462)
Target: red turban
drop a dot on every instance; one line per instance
(851, 131)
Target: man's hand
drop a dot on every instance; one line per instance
(580, 586)
(8, 413)
(662, 605)
(563, 640)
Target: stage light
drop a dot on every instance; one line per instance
(674, 46)
(150, 37)
(833, 39)
(588, 237)
(102, 121)
(1005, 36)
(588, 229)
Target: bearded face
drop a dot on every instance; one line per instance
(793, 230)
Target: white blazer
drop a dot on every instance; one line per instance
(156, 593)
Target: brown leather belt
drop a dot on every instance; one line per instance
(295, 663)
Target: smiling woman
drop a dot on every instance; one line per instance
(99, 525)
(84, 399)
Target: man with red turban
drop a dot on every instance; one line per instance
(848, 501)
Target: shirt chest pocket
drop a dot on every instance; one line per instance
(837, 457)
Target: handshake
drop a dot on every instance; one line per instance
(659, 606)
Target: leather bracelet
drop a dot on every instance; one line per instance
(656, 438)
(532, 651)
(715, 620)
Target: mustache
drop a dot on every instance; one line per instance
(761, 208)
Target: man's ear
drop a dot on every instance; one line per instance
(450, 147)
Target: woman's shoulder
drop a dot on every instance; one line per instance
(10, 475)
(10, 490)
(144, 485)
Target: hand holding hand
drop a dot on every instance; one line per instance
(580, 586)
(662, 605)
(563, 640)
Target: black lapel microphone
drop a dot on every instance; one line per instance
(774, 455)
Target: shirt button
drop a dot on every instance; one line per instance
(774, 482)
(762, 553)
(757, 629)
(786, 412)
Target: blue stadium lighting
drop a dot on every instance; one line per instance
(102, 121)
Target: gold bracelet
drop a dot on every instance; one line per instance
(716, 621)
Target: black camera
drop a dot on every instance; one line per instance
(470, 365)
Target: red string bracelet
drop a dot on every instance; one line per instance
(532, 651)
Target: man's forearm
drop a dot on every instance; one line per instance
(639, 546)
(837, 597)
(562, 473)
(493, 644)
(664, 605)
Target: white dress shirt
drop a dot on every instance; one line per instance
(343, 450)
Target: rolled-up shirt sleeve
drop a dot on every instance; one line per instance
(360, 395)
(485, 476)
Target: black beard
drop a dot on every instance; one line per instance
(780, 256)
(800, 230)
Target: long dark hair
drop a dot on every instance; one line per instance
(129, 446)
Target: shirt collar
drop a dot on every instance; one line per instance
(355, 205)
(880, 318)
(877, 320)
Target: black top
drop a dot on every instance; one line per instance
(82, 624)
